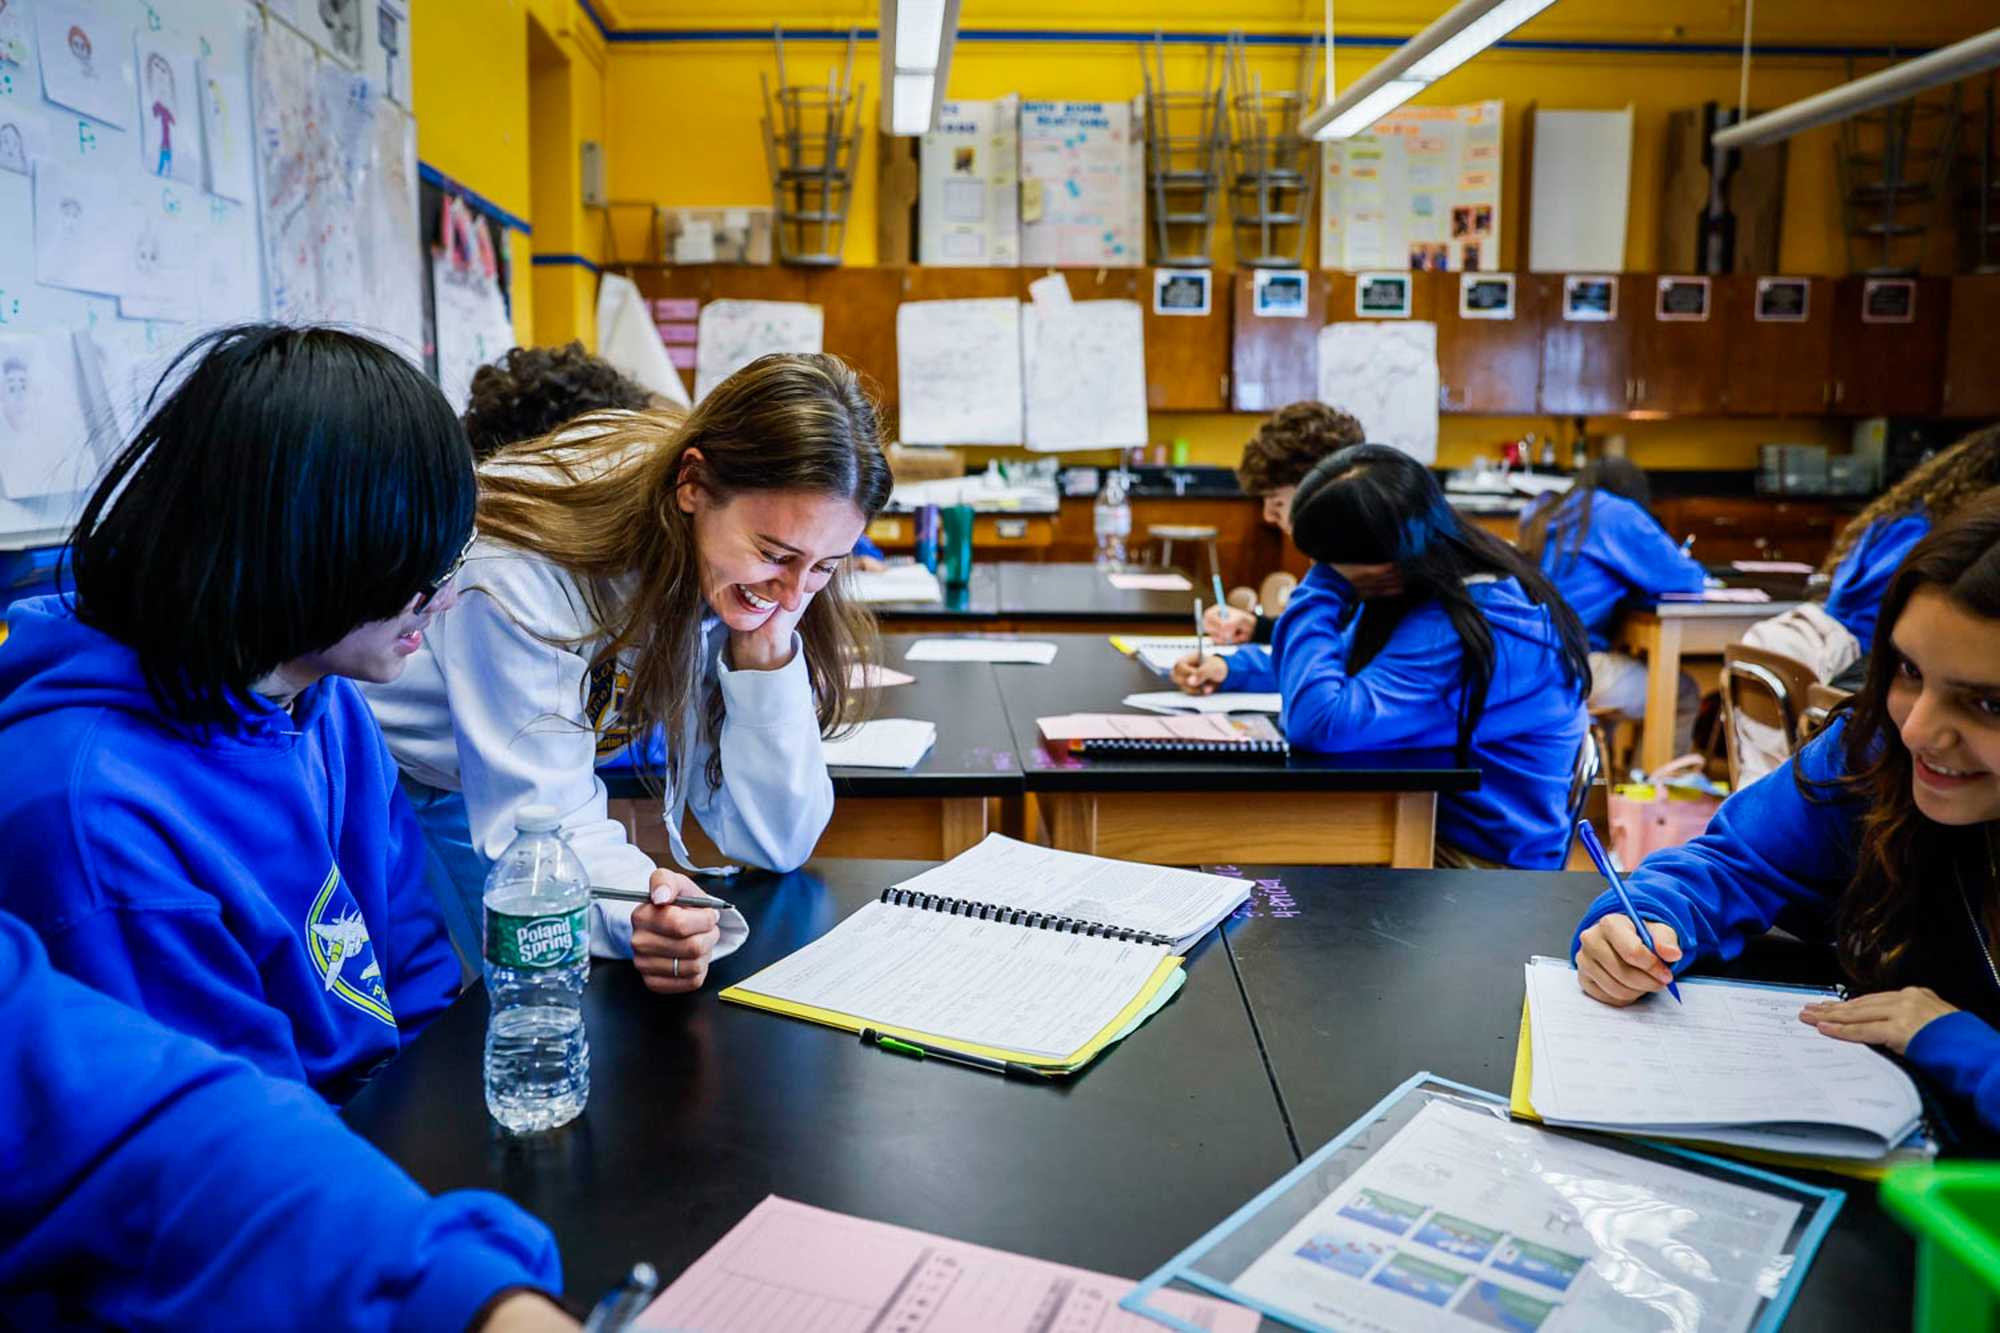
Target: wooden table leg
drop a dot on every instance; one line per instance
(1072, 820)
(1663, 691)
(963, 824)
(1415, 838)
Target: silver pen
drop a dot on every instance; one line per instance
(646, 896)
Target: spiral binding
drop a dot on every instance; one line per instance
(1016, 916)
(1126, 748)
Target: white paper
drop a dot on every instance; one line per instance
(23, 141)
(1026, 651)
(968, 202)
(959, 365)
(86, 59)
(882, 742)
(1580, 155)
(1420, 190)
(225, 120)
(630, 341)
(865, 675)
(1729, 1055)
(1384, 373)
(1084, 371)
(16, 38)
(1150, 582)
(86, 229)
(42, 423)
(1176, 904)
(1222, 701)
(735, 333)
(1038, 992)
(1464, 1221)
(897, 583)
(229, 282)
(1085, 164)
(390, 246)
(472, 326)
(289, 170)
(167, 252)
(169, 100)
(1160, 655)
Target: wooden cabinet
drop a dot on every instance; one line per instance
(1888, 368)
(1754, 528)
(1776, 367)
(1274, 359)
(1491, 366)
(1187, 356)
(1678, 365)
(1972, 347)
(860, 313)
(1586, 363)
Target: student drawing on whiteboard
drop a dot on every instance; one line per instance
(160, 87)
(14, 392)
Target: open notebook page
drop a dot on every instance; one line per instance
(986, 983)
(1732, 1064)
(1180, 905)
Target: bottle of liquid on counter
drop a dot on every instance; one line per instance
(1549, 453)
(1111, 521)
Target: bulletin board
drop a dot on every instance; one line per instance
(168, 166)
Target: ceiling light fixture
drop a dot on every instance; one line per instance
(916, 38)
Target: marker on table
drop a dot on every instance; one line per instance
(1610, 872)
(622, 1304)
(920, 1050)
(646, 896)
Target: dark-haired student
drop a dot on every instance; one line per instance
(200, 816)
(1879, 836)
(1603, 550)
(1874, 543)
(1414, 630)
(1275, 460)
(154, 1183)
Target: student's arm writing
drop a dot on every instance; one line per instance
(1405, 697)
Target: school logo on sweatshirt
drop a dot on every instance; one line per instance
(602, 701)
(337, 939)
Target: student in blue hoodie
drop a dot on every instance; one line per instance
(1414, 630)
(1873, 545)
(153, 1183)
(1879, 837)
(200, 816)
(1603, 550)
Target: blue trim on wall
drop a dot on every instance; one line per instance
(590, 12)
(431, 175)
(574, 261)
(1279, 39)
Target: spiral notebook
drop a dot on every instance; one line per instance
(1209, 736)
(1010, 952)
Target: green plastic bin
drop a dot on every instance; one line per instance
(1954, 1209)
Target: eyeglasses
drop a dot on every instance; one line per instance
(430, 590)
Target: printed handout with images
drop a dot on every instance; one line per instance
(1466, 1221)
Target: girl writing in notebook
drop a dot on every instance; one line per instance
(1414, 630)
(1602, 549)
(1873, 545)
(1879, 836)
(665, 575)
(200, 817)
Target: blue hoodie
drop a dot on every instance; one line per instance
(1625, 557)
(152, 1183)
(261, 888)
(1406, 698)
(1773, 856)
(1862, 577)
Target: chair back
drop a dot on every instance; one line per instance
(1584, 774)
(1821, 700)
(1764, 709)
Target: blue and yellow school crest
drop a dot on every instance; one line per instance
(604, 695)
(337, 939)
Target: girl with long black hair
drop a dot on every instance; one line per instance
(1880, 838)
(1415, 630)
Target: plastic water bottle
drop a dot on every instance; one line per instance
(537, 948)
(1111, 521)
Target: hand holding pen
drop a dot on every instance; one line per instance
(1622, 958)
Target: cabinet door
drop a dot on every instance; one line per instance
(1889, 368)
(859, 307)
(1489, 365)
(1677, 364)
(1972, 354)
(1779, 367)
(1585, 363)
(1187, 356)
(1274, 359)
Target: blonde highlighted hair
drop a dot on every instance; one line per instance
(598, 498)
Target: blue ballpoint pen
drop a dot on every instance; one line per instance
(1610, 873)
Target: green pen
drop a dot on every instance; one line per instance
(918, 1050)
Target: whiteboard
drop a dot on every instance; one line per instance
(136, 213)
(1384, 373)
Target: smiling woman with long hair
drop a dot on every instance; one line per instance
(662, 575)
(1881, 839)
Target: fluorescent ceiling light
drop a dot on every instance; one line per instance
(1459, 34)
(919, 31)
(1945, 65)
(911, 112)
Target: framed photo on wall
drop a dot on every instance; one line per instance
(1889, 301)
(1783, 300)
(1590, 296)
(1279, 293)
(1681, 299)
(1181, 291)
(1486, 296)
(1382, 295)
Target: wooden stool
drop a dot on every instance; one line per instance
(1166, 534)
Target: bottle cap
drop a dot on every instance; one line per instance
(537, 819)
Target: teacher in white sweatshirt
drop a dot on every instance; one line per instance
(661, 574)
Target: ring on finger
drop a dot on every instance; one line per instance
(677, 967)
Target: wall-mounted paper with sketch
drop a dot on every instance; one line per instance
(169, 101)
(1384, 373)
(735, 333)
(472, 325)
(959, 364)
(23, 140)
(968, 195)
(86, 60)
(1083, 367)
(392, 261)
(41, 418)
(225, 119)
(1420, 190)
(166, 254)
(1083, 178)
(16, 37)
(86, 229)
(281, 83)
